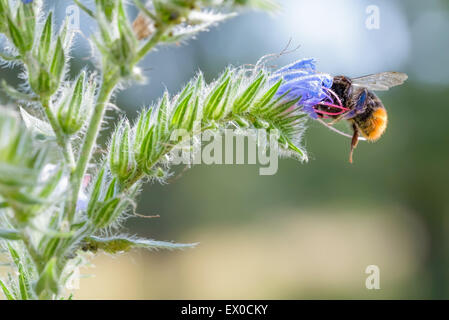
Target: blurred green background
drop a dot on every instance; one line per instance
(310, 230)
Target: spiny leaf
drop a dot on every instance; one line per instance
(96, 191)
(116, 244)
(58, 62)
(71, 115)
(48, 280)
(179, 114)
(45, 40)
(85, 9)
(9, 234)
(16, 36)
(162, 116)
(24, 284)
(15, 94)
(215, 98)
(39, 126)
(266, 98)
(107, 213)
(243, 102)
(6, 292)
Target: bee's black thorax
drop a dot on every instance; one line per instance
(342, 87)
(349, 95)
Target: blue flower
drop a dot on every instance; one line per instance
(302, 80)
(27, 1)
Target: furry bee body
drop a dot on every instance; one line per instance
(355, 101)
(370, 116)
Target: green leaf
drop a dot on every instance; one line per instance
(143, 9)
(9, 234)
(294, 148)
(24, 284)
(243, 102)
(180, 111)
(51, 184)
(279, 110)
(266, 98)
(162, 116)
(108, 7)
(96, 191)
(193, 115)
(270, 106)
(25, 198)
(12, 176)
(6, 292)
(142, 127)
(36, 125)
(106, 214)
(15, 94)
(124, 155)
(110, 192)
(70, 115)
(85, 9)
(117, 244)
(199, 85)
(147, 148)
(215, 98)
(16, 36)
(120, 160)
(9, 58)
(29, 21)
(42, 85)
(48, 280)
(57, 64)
(49, 245)
(45, 40)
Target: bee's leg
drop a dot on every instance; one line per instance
(355, 140)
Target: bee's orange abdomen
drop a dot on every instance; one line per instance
(375, 125)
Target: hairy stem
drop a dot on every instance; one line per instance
(89, 143)
(110, 80)
(150, 44)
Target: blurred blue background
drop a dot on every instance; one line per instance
(310, 230)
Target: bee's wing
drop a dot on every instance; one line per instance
(380, 81)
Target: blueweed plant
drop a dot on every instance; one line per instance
(59, 201)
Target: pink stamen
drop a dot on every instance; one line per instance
(327, 104)
(330, 113)
(334, 106)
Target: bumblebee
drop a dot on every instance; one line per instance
(354, 100)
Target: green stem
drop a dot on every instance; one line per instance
(109, 82)
(150, 44)
(89, 142)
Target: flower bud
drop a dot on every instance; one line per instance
(121, 159)
(21, 29)
(72, 113)
(106, 202)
